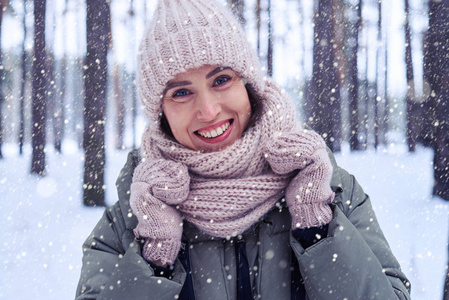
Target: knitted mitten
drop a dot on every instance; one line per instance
(158, 186)
(309, 192)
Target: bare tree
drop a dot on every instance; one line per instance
(62, 87)
(270, 41)
(258, 16)
(324, 100)
(95, 81)
(39, 103)
(410, 99)
(132, 31)
(57, 86)
(437, 61)
(3, 5)
(378, 98)
(23, 81)
(353, 81)
(119, 108)
(238, 8)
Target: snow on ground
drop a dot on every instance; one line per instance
(43, 222)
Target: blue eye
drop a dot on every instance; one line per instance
(221, 80)
(181, 93)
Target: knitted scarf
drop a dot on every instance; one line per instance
(231, 189)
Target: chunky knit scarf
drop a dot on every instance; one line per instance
(230, 189)
(223, 193)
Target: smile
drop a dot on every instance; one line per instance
(218, 131)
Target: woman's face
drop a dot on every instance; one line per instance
(207, 108)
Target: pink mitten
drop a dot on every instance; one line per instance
(157, 186)
(309, 192)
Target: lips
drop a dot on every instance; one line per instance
(215, 133)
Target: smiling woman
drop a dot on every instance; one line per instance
(207, 109)
(229, 197)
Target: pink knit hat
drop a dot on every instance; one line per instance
(186, 34)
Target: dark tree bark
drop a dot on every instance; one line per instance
(95, 82)
(238, 8)
(323, 108)
(270, 42)
(353, 81)
(438, 78)
(132, 30)
(411, 131)
(39, 103)
(378, 98)
(386, 118)
(3, 5)
(258, 15)
(23, 82)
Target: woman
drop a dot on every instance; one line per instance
(229, 198)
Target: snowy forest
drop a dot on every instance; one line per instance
(370, 76)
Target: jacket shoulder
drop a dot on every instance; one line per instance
(123, 185)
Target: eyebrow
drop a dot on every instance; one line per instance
(215, 71)
(171, 84)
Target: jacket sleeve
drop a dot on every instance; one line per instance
(113, 267)
(354, 261)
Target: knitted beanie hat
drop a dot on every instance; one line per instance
(186, 34)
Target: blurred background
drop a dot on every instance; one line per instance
(370, 76)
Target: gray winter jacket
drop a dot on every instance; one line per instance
(353, 262)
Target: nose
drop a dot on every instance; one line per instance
(208, 107)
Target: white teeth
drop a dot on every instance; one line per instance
(214, 133)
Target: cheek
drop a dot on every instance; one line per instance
(174, 118)
(244, 109)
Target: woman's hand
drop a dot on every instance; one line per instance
(157, 187)
(309, 192)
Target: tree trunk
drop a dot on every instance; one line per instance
(3, 5)
(439, 95)
(59, 88)
(378, 98)
(238, 8)
(353, 81)
(119, 109)
(95, 81)
(324, 106)
(410, 98)
(258, 15)
(386, 117)
(39, 103)
(23, 82)
(302, 64)
(132, 31)
(51, 89)
(270, 42)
